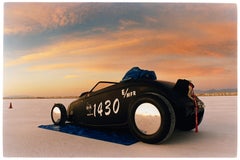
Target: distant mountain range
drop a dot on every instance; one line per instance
(217, 92)
(210, 92)
(40, 97)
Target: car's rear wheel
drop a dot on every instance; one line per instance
(152, 119)
(58, 114)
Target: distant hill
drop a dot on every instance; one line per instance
(32, 97)
(217, 92)
(210, 92)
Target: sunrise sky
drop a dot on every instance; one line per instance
(63, 49)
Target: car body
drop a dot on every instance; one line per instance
(152, 109)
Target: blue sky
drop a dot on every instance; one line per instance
(60, 49)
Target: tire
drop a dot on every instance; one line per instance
(154, 133)
(59, 114)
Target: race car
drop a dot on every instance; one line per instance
(150, 108)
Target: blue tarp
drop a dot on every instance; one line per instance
(119, 136)
(137, 73)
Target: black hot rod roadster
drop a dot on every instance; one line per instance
(151, 109)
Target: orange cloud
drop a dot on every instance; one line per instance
(36, 17)
(28, 58)
(123, 48)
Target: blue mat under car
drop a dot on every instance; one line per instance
(119, 136)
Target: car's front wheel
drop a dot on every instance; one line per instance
(152, 119)
(58, 114)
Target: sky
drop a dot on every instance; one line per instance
(63, 49)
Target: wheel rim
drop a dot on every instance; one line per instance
(147, 118)
(56, 115)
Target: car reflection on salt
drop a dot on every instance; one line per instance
(151, 109)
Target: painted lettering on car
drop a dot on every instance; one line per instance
(103, 108)
(126, 93)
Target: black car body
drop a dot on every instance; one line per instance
(128, 103)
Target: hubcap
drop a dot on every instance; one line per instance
(147, 118)
(56, 115)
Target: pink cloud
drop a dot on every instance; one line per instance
(36, 17)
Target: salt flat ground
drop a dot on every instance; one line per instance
(217, 136)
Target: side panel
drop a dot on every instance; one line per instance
(108, 107)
